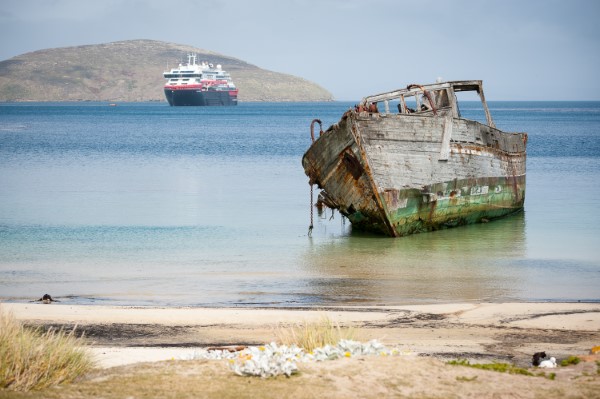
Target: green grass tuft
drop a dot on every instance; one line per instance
(466, 379)
(30, 359)
(499, 367)
(570, 360)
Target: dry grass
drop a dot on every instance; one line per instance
(30, 359)
(311, 335)
(369, 377)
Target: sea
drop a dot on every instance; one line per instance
(142, 204)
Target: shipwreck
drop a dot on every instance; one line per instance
(406, 162)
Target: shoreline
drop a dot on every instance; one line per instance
(485, 332)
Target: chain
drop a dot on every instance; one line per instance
(310, 228)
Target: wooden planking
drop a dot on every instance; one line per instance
(405, 152)
(445, 148)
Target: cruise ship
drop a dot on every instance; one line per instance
(199, 85)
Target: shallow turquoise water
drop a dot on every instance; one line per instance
(145, 204)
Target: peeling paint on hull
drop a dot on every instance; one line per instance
(406, 173)
(412, 211)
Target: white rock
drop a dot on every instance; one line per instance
(548, 364)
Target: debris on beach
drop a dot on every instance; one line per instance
(537, 358)
(271, 360)
(229, 348)
(267, 361)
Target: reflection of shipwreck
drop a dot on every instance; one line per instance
(418, 169)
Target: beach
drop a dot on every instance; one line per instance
(143, 341)
(509, 332)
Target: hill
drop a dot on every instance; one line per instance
(132, 71)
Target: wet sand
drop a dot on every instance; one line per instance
(506, 332)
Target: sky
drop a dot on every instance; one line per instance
(521, 49)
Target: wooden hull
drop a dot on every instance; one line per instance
(400, 174)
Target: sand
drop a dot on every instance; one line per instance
(508, 332)
(138, 351)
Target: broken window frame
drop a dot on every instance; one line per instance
(416, 91)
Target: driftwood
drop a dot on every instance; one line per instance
(230, 348)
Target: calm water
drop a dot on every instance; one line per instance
(146, 204)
